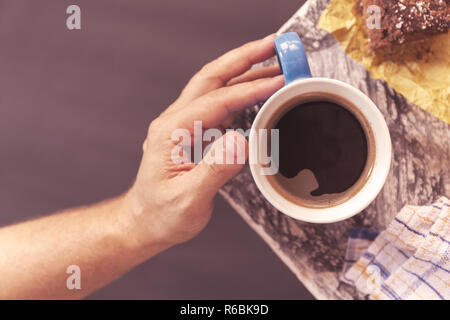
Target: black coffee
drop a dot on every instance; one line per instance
(320, 141)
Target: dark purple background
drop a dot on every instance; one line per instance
(74, 109)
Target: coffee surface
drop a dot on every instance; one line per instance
(322, 149)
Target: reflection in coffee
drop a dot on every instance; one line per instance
(323, 151)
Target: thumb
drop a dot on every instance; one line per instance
(224, 160)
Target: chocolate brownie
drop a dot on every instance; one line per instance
(403, 20)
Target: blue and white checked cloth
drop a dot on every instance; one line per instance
(408, 260)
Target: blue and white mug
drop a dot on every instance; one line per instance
(298, 82)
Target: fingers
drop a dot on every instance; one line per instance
(233, 63)
(253, 74)
(224, 160)
(216, 106)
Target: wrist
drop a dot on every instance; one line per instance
(141, 229)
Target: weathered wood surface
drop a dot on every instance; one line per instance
(419, 173)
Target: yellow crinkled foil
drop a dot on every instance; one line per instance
(420, 72)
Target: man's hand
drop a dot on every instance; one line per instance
(169, 203)
(174, 201)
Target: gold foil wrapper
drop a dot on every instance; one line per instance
(420, 70)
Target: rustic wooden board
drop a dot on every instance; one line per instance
(419, 173)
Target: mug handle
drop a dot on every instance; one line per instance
(291, 57)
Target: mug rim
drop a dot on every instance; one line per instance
(382, 162)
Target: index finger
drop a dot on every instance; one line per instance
(214, 107)
(233, 63)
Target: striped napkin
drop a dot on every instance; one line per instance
(408, 260)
